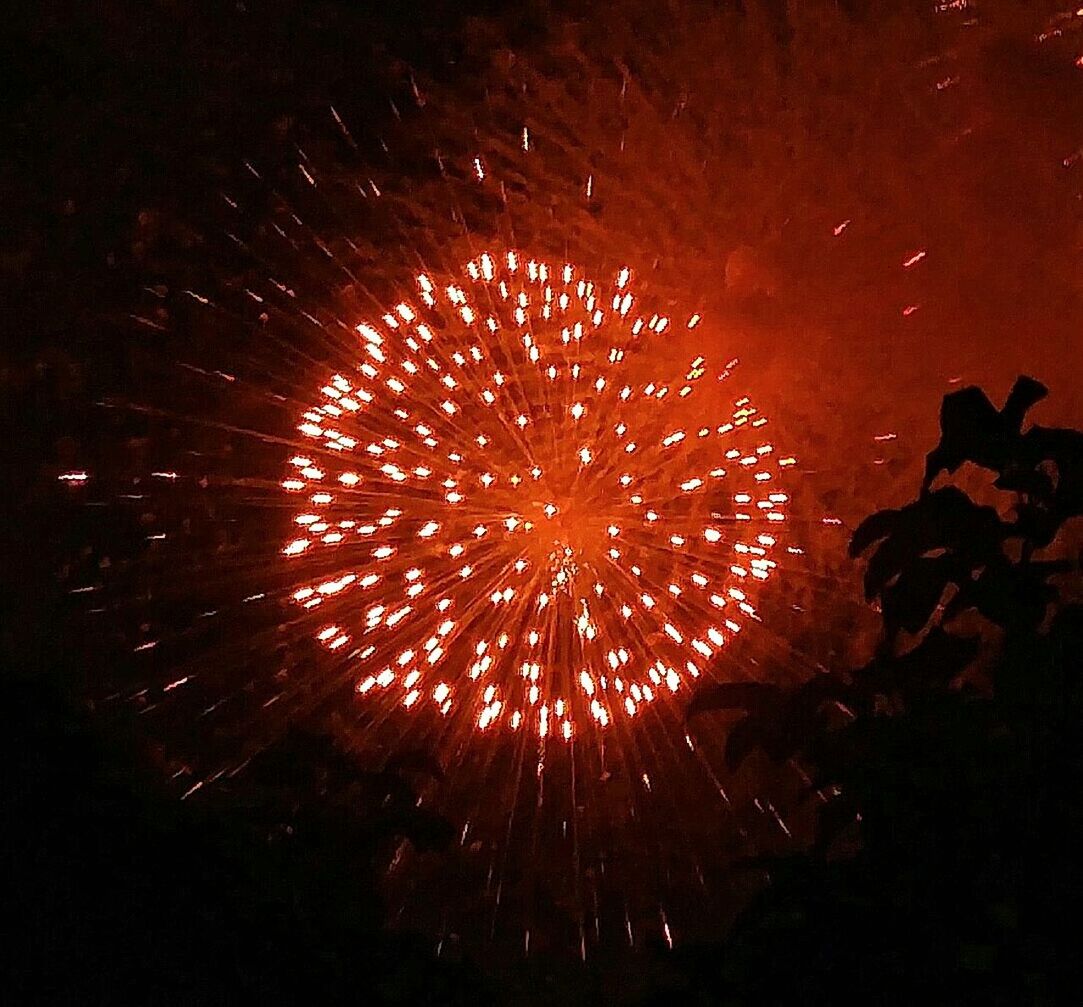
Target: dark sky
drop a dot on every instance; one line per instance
(874, 202)
(954, 132)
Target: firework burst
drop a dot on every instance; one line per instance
(503, 519)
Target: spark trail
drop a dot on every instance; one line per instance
(501, 520)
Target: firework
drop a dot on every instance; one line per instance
(498, 514)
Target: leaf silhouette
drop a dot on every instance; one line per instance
(781, 868)
(748, 734)
(936, 661)
(1025, 393)
(1021, 480)
(909, 602)
(872, 529)
(945, 519)
(750, 696)
(972, 429)
(833, 818)
(415, 760)
(778, 721)
(427, 830)
(1010, 594)
(1064, 448)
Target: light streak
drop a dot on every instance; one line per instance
(506, 447)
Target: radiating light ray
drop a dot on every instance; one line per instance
(518, 524)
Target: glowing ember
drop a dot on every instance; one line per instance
(516, 525)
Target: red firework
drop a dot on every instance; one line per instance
(500, 518)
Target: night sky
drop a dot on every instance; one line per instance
(867, 204)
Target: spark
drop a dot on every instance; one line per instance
(517, 454)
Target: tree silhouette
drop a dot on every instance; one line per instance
(941, 864)
(269, 889)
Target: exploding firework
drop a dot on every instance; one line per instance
(504, 520)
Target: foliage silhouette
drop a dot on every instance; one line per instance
(941, 862)
(268, 889)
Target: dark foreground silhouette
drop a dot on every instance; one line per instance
(947, 773)
(947, 769)
(125, 895)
